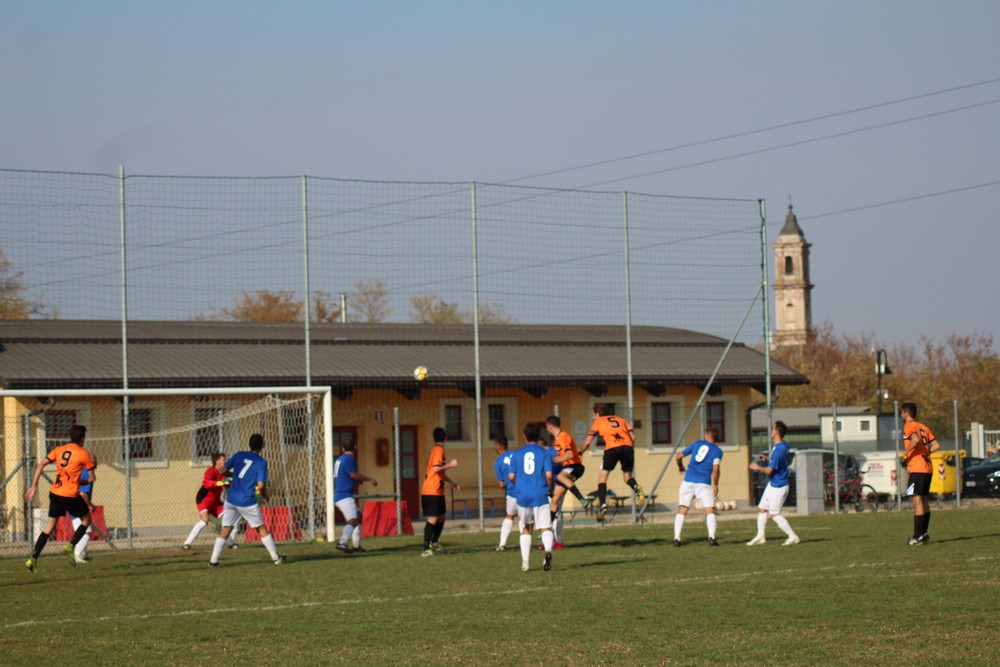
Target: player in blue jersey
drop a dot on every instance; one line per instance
(701, 481)
(501, 468)
(776, 490)
(248, 488)
(531, 473)
(87, 493)
(345, 475)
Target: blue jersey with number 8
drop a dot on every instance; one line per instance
(704, 455)
(248, 468)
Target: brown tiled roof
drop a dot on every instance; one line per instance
(64, 353)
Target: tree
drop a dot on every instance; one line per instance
(434, 310)
(932, 374)
(282, 306)
(370, 301)
(14, 301)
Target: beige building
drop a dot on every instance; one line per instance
(527, 373)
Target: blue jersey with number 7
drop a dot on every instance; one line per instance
(248, 468)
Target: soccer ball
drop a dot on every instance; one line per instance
(420, 373)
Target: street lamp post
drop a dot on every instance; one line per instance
(881, 369)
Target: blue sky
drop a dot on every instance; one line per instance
(500, 91)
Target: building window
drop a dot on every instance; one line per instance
(866, 425)
(840, 426)
(662, 429)
(453, 422)
(207, 439)
(294, 425)
(789, 266)
(57, 423)
(140, 433)
(497, 419)
(715, 417)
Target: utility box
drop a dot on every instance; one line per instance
(809, 481)
(943, 474)
(881, 471)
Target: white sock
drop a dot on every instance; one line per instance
(75, 520)
(220, 544)
(525, 546)
(268, 543)
(356, 537)
(548, 539)
(195, 530)
(678, 525)
(713, 523)
(761, 523)
(81, 546)
(784, 525)
(232, 538)
(556, 530)
(346, 535)
(505, 528)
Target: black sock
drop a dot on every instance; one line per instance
(81, 530)
(428, 534)
(918, 522)
(552, 515)
(438, 527)
(633, 484)
(927, 523)
(40, 544)
(576, 492)
(602, 493)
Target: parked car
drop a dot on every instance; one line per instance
(982, 479)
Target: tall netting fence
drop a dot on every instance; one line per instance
(323, 251)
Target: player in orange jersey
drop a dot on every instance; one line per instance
(919, 443)
(432, 494)
(570, 465)
(70, 460)
(619, 448)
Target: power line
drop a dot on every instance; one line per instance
(748, 133)
(899, 201)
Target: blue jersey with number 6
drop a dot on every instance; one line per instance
(529, 465)
(248, 468)
(704, 455)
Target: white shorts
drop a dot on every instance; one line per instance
(349, 508)
(539, 517)
(511, 508)
(773, 499)
(231, 515)
(703, 492)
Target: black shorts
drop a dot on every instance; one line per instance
(919, 484)
(59, 505)
(624, 455)
(432, 505)
(575, 471)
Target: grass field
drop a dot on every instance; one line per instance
(852, 593)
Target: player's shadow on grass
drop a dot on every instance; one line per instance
(628, 543)
(963, 538)
(602, 563)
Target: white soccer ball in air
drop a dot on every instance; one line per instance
(420, 373)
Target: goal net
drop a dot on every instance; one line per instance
(152, 449)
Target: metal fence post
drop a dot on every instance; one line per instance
(958, 460)
(836, 463)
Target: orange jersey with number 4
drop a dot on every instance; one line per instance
(565, 444)
(71, 460)
(918, 459)
(616, 431)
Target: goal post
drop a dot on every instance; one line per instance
(171, 436)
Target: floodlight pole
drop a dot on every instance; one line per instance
(125, 398)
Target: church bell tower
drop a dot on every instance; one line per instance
(792, 289)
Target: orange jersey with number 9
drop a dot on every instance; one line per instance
(71, 460)
(918, 458)
(616, 431)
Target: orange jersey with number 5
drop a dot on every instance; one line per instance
(616, 431)
(71, 460)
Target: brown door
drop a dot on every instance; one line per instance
(411, 471)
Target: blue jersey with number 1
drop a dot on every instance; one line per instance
(248, 469)
(343, 485)
(529, 465)
(501, 468)
(704, 456)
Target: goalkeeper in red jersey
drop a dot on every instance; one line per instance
(209, 498)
